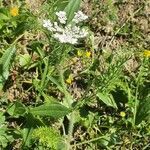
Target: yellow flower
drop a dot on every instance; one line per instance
(146, 53)
(79, 53)
(70, 79)
(122, 114)
(88, 54)
(14, 11)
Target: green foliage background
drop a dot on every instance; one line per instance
(106, 105)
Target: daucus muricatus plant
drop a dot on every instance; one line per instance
(67, 32)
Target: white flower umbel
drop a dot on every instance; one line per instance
(79, 17)
(65, 38)
(62, 16)
(70, 33)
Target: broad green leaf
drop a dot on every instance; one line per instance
(27, 136)
(27, 131)
(61, 4)
(143, 111)
(17, 109)
(5, 63)
(51, 110)
(72, 7)
(49, 99)
(107, 99)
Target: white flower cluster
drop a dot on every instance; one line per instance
(69, 33)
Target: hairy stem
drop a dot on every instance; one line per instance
(71, 117)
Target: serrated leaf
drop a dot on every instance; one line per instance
(107, 99)
(51, 110)
(72, 7)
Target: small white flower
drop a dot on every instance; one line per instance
(62, 16)
(70, 34)
(83, 33)
(47, 24)
(58, 28)
(79, 17)
(65, 38)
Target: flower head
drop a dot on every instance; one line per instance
(62, 16)
(70, 79)
(146, 53)
(14, 11)
(122, 114)
(79, 17)
(88, 54)
(69, 34)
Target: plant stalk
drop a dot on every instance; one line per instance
(68, 100)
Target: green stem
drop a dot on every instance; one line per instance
(89, 141)
(68, 97)
(68, 100)
(135, 105)
(44, 75)
(70, 130)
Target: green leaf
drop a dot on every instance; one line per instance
(24, 59)
(27, 131)
(4, 13)
(21, 27)
(27, 136)
(107, 99)
(4, 17)
(72, 7)
(17, 109)
(49, 99)
(51, 110)
(143, 111)
(5, 63)
(61, 4)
